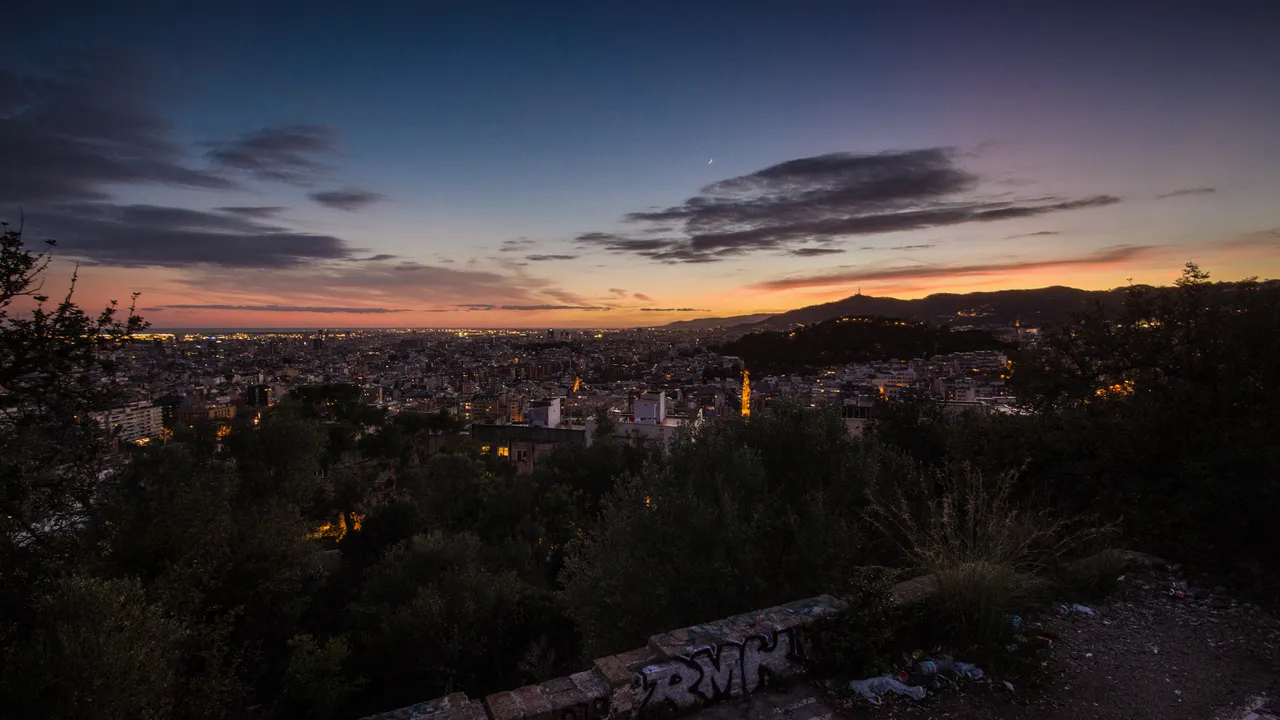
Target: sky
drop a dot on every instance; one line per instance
(323, 164)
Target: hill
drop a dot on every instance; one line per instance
(849, 340)
(724, 322)
(1003, 307)
(1035, 307)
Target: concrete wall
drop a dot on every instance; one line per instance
(677, 672)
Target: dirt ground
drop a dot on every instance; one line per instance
(1142, 654)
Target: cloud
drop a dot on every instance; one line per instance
(152, 235)
(287, 153)
(1042, 233)
(912, 247)
(281, 308)
(545, 258)
(259, 213)
(77, 135)
(348, 200)
(815, 251)
(378, 283)
(529, 308)
(1099, 259)
(618, 291)
(1187, 191)
(517, 245)
(673, 310)
(821, 199)
(642, 296)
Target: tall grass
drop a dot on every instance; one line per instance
(988, 553)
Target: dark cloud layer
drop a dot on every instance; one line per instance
(73, 136)
(348, 200)
(282, 308)
(150, 235)
(1102, 258)
(288, 153)
(673, 310)
(822, 199)
(546, 258)
(1187, 191)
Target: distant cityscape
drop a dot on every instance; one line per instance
(522, 392)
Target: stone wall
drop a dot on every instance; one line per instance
(676, 672)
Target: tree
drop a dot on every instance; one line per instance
(53, 374)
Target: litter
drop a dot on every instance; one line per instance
(931, 668)
(1077, 608)
(874, 689)
(1008, 686)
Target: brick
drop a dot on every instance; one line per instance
(566, 700)
(532, 704)
(595, 691)
(556, 685)
(503, 706)
(635, 659)
(613, 672)
(450, 707)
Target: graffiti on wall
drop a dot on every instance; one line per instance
(718, 672)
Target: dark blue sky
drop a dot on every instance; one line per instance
(437, 133)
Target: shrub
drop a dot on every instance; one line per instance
(1094, 576)
(988, 555)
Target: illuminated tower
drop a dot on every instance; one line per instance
(746, 393)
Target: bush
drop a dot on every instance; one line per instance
(1094, 576)
(988, 555)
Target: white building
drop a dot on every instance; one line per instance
(650, 408)
(132, 422)
(545, 413)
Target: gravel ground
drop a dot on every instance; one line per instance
(1142, 654)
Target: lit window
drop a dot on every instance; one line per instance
(503, 451)
(485, 449)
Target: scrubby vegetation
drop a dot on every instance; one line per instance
(329, 561)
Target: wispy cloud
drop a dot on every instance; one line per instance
(822, 199)
(912, 247)
(282, 308)
(288, 153)
(1042, 233)
(548, 258)
(255, 212)
(1187, 191)
(1102, 258)
(642, 297)
(815, 251)
(673, 310)
(529, 308)
(349, 200)
(516, 245)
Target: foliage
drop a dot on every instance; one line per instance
(851, 339)
(315, 685)
(987, 554)
(94, 648)
(737, 516)
(52, 368)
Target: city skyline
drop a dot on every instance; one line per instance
(407, 168)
